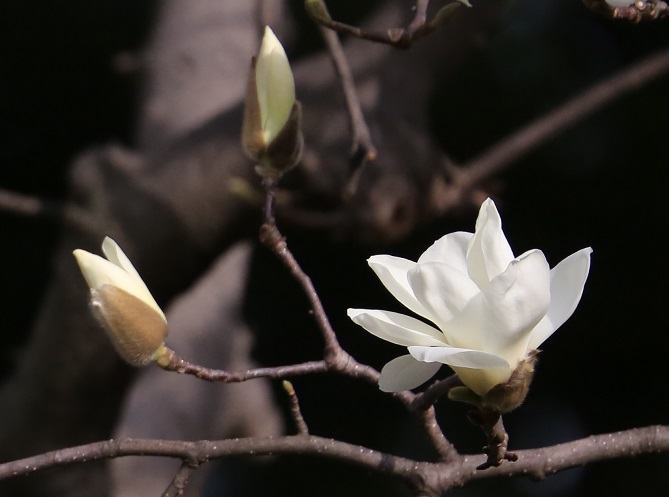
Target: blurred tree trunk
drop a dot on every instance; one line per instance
(174, 208)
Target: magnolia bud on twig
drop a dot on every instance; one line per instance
(271, 132)
(123, 305)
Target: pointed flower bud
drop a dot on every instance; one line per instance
(271, 132)
(123, 305)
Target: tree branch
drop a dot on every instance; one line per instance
(179, 365)
(31, 206)
(437, 477)
(539, 463)
(362, 149)
(295, 410)
(400, 37)
(465, 177)
(180, 480)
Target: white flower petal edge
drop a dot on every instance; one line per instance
(118, 271)
(397, 328)
(444, 292)
(405, 373)
(489, 253)
(451, 248)
(567, 284)
(392, 271)
(98, 271)
(463, 358)
(514, 303)
(478, 370)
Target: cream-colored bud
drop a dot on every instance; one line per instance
(123, 304)
(271, 131)
(136, 330)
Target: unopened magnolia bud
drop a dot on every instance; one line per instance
(271, 131)
(122, 303)
(137, 331)
(505, 397)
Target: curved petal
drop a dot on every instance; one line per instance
(115, 255)
(442, 290)
(515, 302)
(405, 373)
(392, 271)
(463, 358)
(396, 328)
(489, 253)
(567, 282)
(98, 272)
(451, 249)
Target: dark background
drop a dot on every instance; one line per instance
(601, 183)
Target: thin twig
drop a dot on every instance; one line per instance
(362, 147)
(438, 389)
(295, 410)
(179, 365)
(39, 208)
(336, 358)
(272, 238)
(180, 480)
(462, 179)
(400, 37)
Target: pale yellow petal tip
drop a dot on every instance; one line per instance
(109, 242)
(269, 38)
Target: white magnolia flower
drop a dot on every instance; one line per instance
(491, 309)
(123, 304)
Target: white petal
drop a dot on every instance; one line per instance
(98, 271)
(515, 302)
(275, 84)
(463, 358)
(489, 253)
(392, 271)
(442, 290)
(396, 328)
(451, 249)
(114, 254)
(118, 271)
(567, 282)
(405, 373)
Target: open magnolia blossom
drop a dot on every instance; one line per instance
(491, 309)
(271, 130)
(123, 304)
